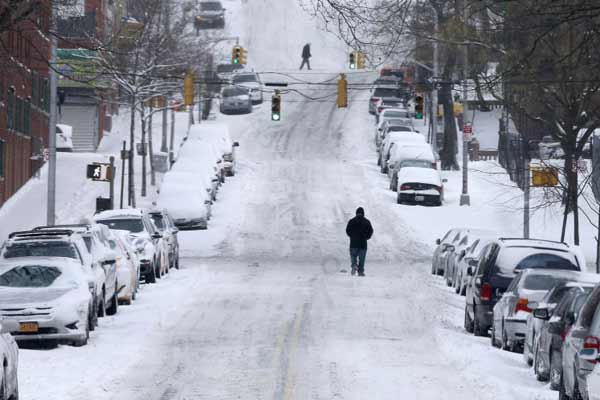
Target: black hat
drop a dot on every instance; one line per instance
(360, 211)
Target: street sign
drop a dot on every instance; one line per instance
(542, 176)
(468, 129)
(99, 172)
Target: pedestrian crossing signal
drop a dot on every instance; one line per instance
(276, 106)
(419, 107)
(352, 60)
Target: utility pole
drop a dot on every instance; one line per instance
(464, 197)
(436, 72)
(51, 200)
(172, 142)
(526, 187)
(165, 115)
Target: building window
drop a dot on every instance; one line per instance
(10, 123)
(2, 158)
(19, 115)
(46, 95)
(27, 117)
(34, 89)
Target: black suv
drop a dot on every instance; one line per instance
(501, 260)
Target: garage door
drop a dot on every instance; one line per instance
(84, 120)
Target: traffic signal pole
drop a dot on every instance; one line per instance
(465, 199)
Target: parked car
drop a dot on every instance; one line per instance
(422, 186)
(593, 383)
(48, 299)
(217, 134)
(211, 15)
(470, 259)
(501, 260)
(387, 103)
(64, 138)
(444, 246)
(391, 92)
(580, 350)
(97, 239)
(166, 226)
(509, 321)
(149, 244)
(128, 268)
(552, 319)
(226, 71)
(59, 244)
(235, 99)
(401, 152)
(460, 251)
(392, 138)
(389, 116)
(9, 353)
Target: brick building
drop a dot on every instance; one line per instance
(24, 100)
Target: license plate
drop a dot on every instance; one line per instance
(28, 327)
(419, 198)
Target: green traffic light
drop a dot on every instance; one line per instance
(275, 116)
(236, 61)
(418, 115)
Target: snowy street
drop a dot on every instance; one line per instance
(264, 307)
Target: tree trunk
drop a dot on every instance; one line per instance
(143, 151)
(151, 150)
(448, 153)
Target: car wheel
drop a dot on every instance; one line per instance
(478, 330)
(150, 277)
(84, 341)
(157, 271)
(456, 284)
(468, 322)
(504, 339)
(378, 161)
(562, 393)
(93, 316)
(114, 303)
(493, 340)
(576, 393)
(177, 261)
(102, 306)
(399, 201)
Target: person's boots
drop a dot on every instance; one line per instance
(353, 270)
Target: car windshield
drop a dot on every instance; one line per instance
(415, 163)
(231, 92)
(40, 249)
(158, 221)
(399, 128)
(211, 6)
(29, 276)
(515, 258)
(133, 225)
(386, 92)
(244, 78)
(396, 114)
(540, 282)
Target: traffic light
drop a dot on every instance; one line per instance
(188, 89)
(419, 107)
(342, 92)
(276, 106)
(360, 60)
(352, 60)
(243, 54)
(236, 55)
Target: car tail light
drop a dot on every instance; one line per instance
(439, 189)
(405, 186)
(522, 305)
(592, 342)
(485, 292)
(379, 109)
(374, 99)
(434, 165)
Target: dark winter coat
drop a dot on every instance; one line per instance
(306, 52)
(359, 230)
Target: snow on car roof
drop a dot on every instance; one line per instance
(418, 151)
(412, 137)
(420, 175)
(119, 213)
(535, 242)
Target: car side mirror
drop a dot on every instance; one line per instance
(541, 313)
(462, 253)
(236, 144)
(438, 241)
(450, 248)
(156, 235)
(470, 271)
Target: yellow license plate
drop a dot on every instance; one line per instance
(28, 327)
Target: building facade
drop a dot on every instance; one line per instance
(24, 99)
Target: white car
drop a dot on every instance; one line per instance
(250, 81)
(400, 152)
(400, 138)
(128, 268)
(420, 186)
(149, 244)
(218, 135)
(9, 354)
(235, 100)
(194, 212)
(64, 137)
(47, 299)
(593, 384)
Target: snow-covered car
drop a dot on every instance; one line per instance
(500, 262)
(217, 134)
(420, 155)
(165, 224)
(9, 354)
(386, 103)
(225, 71)
(460, 251)
(49, 299)
(64, 137)
(59, 244)
(250, 81)
(128, 268)
(389, 92)
(235, 100)
(211, 15)
(511, 311)
(400, 138)
(390, 116)
(97, 241)
(194, 212)
(419, 186)
(443, 246)
(470, 259)
(149, 244)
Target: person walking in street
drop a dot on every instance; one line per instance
(306, 56)
(359, 230)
